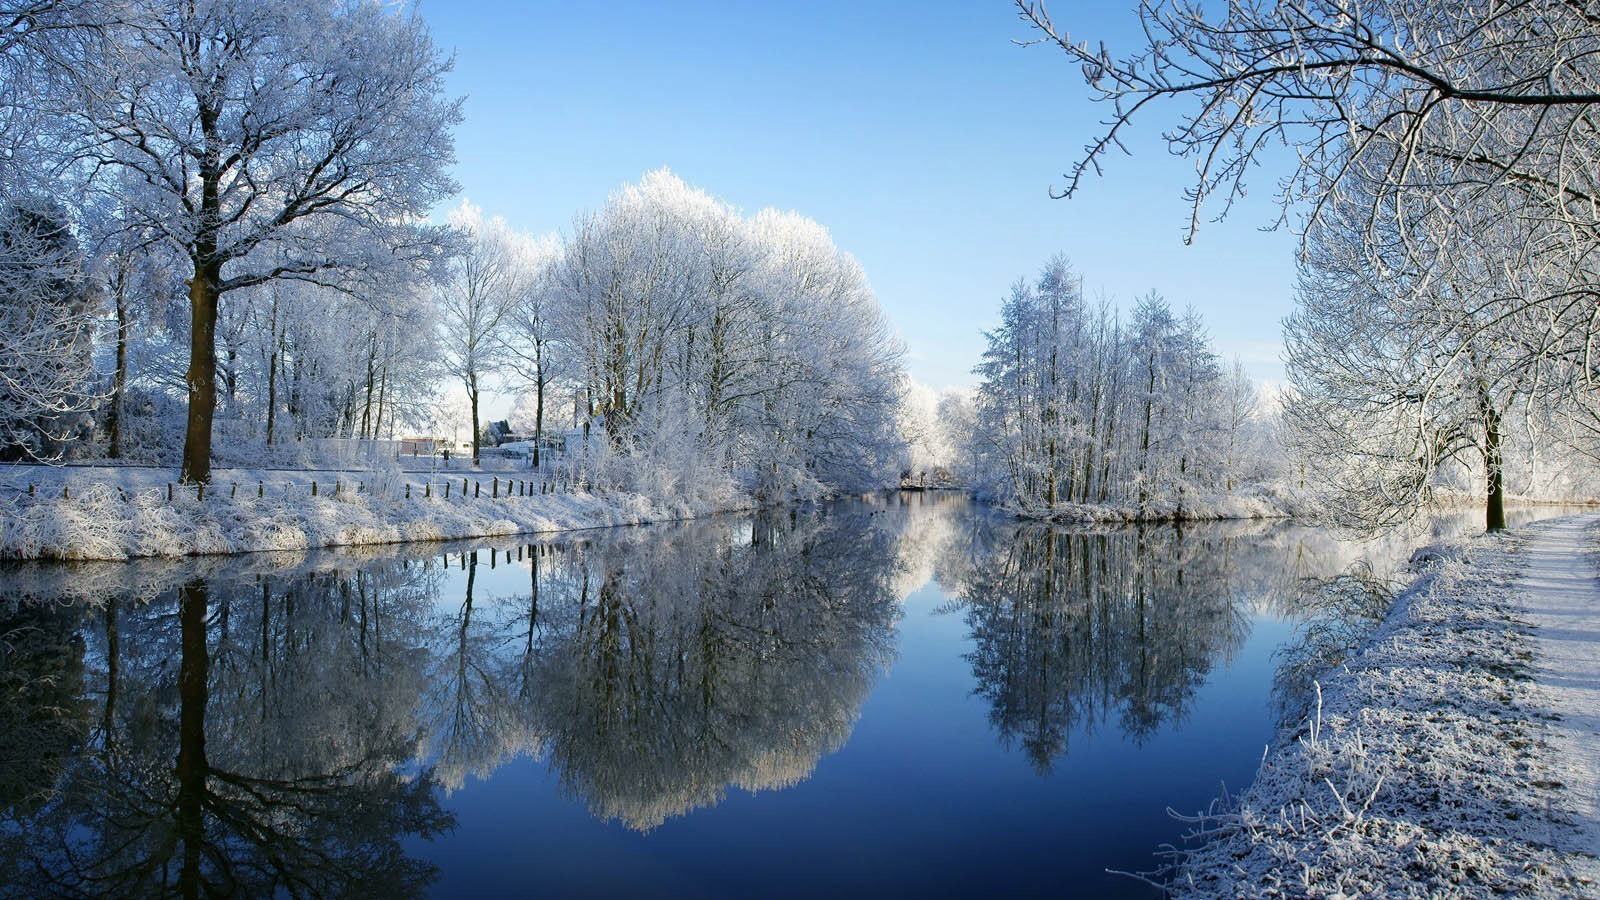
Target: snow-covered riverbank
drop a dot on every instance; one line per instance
(99, 519)
(1432, 764)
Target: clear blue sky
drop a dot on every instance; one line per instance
(918, 133)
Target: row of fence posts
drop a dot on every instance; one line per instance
(513, 488)
(533, 551)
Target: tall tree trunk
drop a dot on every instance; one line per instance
(366, 409)
(202, 375)
(205, 293)
(272, 393)
(272, 370)
(1495, 508)
(472, 394)
(383, 388)
(538, 414)
(119, 379)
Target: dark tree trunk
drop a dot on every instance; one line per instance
(1495, 508)
(383, 387)
(191, 765)
(538, 416)
(202, 375)
(272, 394)
(119, 378)
(472, 393)
(205, 292)
(366, 409)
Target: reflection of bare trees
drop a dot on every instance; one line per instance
(716, 655)
(245, 747)
(1072, 629)
(43, 716)
(282, 729)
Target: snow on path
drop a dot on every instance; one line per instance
(1561, 593)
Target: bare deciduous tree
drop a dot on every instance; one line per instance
(268, 140)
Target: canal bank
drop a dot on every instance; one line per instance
(1453, 755)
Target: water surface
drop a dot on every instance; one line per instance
(896, 698)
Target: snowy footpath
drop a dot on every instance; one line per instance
(1453, 755)
(1560, 592)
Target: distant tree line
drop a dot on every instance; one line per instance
(711, 350)
(1077, 406)
(213, 237)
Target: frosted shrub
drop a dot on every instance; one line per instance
(668, 459)
(384, 477)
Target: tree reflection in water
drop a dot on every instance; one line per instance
(722, 655)
(206, 772)
(250, 729)
(1075, 628)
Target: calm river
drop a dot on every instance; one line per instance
(907, 697)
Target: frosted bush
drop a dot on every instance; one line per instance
(384, 477)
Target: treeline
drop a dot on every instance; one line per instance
(710, 342)
(1078, 407)
(213, 232)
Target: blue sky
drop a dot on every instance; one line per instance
(918, 133)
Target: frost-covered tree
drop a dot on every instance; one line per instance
(529, 338)
(488, 276)
(1495, 93)
(747, 352)
(268, 140)
(1443, 179)
(1076, 408)
(47, 319)
(1408, 351)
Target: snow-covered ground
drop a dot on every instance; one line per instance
(1433, 763)
(125, 512)
(18, 477)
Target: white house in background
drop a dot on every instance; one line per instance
(432, 446)
(421, 446)
(518, 449)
